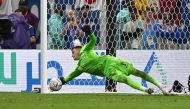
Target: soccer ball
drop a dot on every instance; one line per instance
(55, 84)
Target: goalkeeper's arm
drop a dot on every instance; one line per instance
(71, 76)
(90, 45)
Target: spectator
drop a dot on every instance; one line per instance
(33, 22)
(154, 4)
(178, 35)
(167, 5)
(23, 2)
(20, 37)
(132, 30)
(122, 18)
(141, 6)
(150, 21)
(133, 24)
(168, 28)
(86, 16)
(172, 7)
(175, 36)
(72, 30)
(31, 31)
(167, 22)
(31, 19)
(55, 25)
(149, 39)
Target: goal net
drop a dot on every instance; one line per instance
(153, 35)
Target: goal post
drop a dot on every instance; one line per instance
(152, 36)
(110, 39)
(43, 64)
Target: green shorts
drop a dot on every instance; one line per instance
(118, 69)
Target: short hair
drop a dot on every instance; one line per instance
(85, 7)
(125, 3)
(18, 10)
(76, 47)
(58, 7)
(24, 9)
(23, 3)
(150, 9)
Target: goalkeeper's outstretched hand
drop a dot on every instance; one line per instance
(87, 29)
(62, 80)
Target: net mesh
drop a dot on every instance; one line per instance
(147, 24)
(139, 24)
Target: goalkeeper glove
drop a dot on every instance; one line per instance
(62, 80)
(87, 29)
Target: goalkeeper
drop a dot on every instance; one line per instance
(108, 66)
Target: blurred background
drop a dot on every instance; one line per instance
(19, 24)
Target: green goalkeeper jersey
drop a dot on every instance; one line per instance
(93, 64)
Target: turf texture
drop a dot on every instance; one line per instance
(92, 101)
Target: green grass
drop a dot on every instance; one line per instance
(92, 101)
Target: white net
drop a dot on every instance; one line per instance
(148, 24)
(134, 25)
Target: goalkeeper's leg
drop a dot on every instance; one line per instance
(127, 80)
(148, 78)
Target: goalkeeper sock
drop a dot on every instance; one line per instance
(164, 91)
(150, 79)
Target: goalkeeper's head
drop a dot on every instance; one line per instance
(76, 49)
(77, 44)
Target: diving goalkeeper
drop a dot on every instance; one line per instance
(108, 66)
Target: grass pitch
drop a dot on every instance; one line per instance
(92, 101)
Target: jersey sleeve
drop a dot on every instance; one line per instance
(73, 74)
(90, 45)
